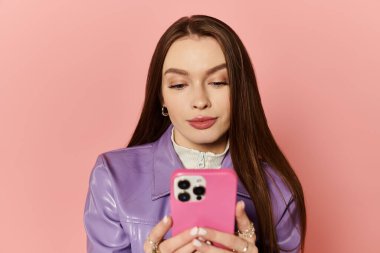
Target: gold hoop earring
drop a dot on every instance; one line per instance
(163, 111)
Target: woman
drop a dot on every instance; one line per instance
(202, 109)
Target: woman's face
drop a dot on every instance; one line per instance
(195, 85)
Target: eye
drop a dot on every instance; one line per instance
(219, 84)
(178, 86)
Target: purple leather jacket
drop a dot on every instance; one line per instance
(128, 195)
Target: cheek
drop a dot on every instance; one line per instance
(175, 108)
(174, 103)
(168, 96)
(223, 102)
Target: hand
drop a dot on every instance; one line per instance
(239, 243)
(181, 243)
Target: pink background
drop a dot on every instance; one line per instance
(72, 76)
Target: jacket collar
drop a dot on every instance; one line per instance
(166, 160)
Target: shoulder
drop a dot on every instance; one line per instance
(281, 195)
(120, 163)
(118, 171)
(130, 158)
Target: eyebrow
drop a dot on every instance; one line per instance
(185, 73)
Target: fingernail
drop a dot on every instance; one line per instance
(166, 219)
(194, 231)
(197, 243)
(202, 231)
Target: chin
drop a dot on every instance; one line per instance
(205, 139)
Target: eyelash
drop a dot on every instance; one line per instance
(177, 86)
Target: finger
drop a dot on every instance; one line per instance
(201, 246)
(206, 248)
(230, 241)
(189, 247)
(178, 241)
(157, 233)
(243, 222)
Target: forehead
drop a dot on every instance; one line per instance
(194, 54)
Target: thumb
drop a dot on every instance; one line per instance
(158, 232)
(243, 222)
(242, 219)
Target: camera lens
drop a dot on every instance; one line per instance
(199, 190)
(184, 197)
(184, 184)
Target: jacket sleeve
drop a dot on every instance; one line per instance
(101, 219)
(288, 229)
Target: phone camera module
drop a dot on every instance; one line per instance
(184, 184)
(184, 197)
(199, 190)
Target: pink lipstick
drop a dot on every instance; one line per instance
(202, 122)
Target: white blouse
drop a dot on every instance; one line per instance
(196, 159)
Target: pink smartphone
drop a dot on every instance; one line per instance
(203, 197)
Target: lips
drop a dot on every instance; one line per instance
(202, 122)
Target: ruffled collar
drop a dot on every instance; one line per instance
(195, 159)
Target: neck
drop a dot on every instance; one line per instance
(216, 147)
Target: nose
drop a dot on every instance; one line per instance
(201, 99)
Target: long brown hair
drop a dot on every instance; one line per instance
(251, 140)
